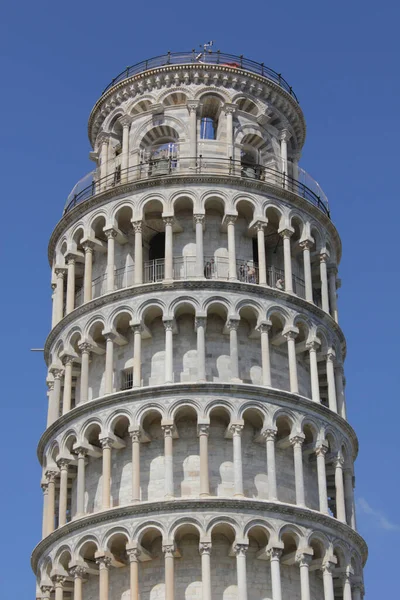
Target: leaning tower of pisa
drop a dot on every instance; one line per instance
(197, 446)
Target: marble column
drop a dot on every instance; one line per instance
(203, 431)
(340, 503)
(104, 162)
(88, 272)
(275, 556)
(332, 272)
(133, 555)
(59, 582)
(284, 138)
(233, 325)
(85, 349)
(192, 106)
(168, 461)
(78, 572)
(125, 122)
(330, 374)
(297, 443)
(137, 355)
(321, 451)
(56, 395)
(347, 595)
(240, 551)
(70, 258)
(291, 345)
(51, 500)
(264, 329)
(169, 571)
(137, 226)
(357, 591)
(53, 304)
(349, 497)
(230, 221)
(169, 250)
(200, 326)
(327, 576)
(323, 257)
(135, 438)
(262, 263)
(169, 352)
(81, 481)
(50, 395)
(237, 460)
(312, 348)
(45, 488)
(229, 112)
(304, 560)
(269, 436)
(199, 220)
(111, 234)
(306, 246)
(60, 273)
(63, 494)
(205, 552)
(286, 234)
(341, 401)
(106, 444)
(109, 370)
(104, 563)
(68, 362)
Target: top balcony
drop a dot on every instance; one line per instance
(204, 58)
(168, 161)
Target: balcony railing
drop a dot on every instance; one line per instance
(201, 58)
(165, 167)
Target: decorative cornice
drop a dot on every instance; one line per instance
(253, 185)
(125, 89)
(237, 390)
(195, 284)
(221, 505)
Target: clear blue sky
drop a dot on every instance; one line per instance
(342, 60)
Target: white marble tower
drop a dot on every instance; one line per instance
(197, 446)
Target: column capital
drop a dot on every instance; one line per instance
(260, 224)
(133, 553)
(240, 549)
(291, 334)
(78, 571)
(46, 590)
(236, 428)
(285, 135)
(330, 355)
(198, 218)
(205, 548)
(63, 463)
(168, 430)
(303, 558)
(200, 322)
(297, 440)
(193, 105)
(274, 553)
(59, 580)
(168, 221)
(103, 138)
(57, 372)
(168, 324)
(50, 384)
(323, 257)
(45, 486)
(306, 244)
(137, 328)
(264, 326)
(106, 442)
(321, 450)
(338, 462)
(137, 226)
(313, 345)
(269, 434)
(233, 323)
(88, 246)
(168, 550)
(68, 359)
(51, 476)
(103, 560)
(81, 451)
(286, 232)
(229, 108)
(328, 566)
(125, 121)
(85, 347)
(230, 219)
(203, 429)
(135, 434)
(110, 233)
(70, 257)
(60, 272)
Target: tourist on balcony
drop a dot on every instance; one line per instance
(280, 284)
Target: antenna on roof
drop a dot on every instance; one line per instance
(207, 49)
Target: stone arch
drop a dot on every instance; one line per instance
(178, 97)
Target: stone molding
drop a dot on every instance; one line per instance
(234, 390)
(306, 517)
(196, 284)
(275, 192)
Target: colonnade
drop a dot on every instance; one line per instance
(343, 477)
(62, 376)
(352, 588)
(62, 273)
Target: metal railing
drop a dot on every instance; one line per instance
(198, 165)
(201, 58)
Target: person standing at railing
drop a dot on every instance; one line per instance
(251, 274)
(280, 284)
(208, 270)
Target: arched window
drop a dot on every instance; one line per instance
(208, 129)
(210, 111)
